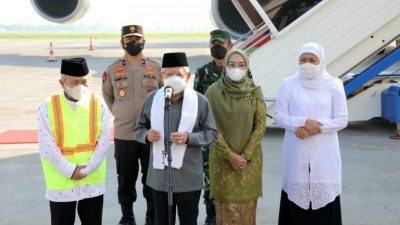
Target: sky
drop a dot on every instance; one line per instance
(154, 15)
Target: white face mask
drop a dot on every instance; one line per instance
(76, 92)
(235, 74)
(177, 83)
(309, 71)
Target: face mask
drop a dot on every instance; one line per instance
(218, 70)
(177, 83)
(218, 52)
(134, 48)
(308, 70)
(235, 74)
(76, 92)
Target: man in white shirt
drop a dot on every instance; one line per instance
(73, 140)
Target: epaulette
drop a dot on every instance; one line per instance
(152, 60)
(116, 63)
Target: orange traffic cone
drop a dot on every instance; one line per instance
(91, 46)
(51, 58)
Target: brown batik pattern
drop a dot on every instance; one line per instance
(236, 213)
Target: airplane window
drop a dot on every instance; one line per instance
(284, 12)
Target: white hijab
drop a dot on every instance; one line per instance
(323, 80)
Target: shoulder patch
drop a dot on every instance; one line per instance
(202, 71)
(105, 76)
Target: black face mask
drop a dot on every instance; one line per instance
(218, 70)
(134, 48)
(218, 52)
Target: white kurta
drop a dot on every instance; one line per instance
(312, 167)
(49, 150)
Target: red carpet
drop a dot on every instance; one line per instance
(25, 136)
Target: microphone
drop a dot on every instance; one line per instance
(168, 91)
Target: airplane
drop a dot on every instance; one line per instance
(351, 32)
(223, 13)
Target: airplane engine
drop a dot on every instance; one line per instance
(61, 11)
(225, 16)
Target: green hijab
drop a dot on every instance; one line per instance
(232, 103)
(243, 87)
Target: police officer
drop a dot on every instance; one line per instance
(220, 44)
(126, 82)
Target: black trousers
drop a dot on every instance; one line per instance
(187, 204)
(90, 211)
(291, 214)
(128, 154)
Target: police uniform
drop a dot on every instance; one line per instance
(125, 87)
(205, 76)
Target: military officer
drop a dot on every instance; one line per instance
(220, 44)
(126, 82)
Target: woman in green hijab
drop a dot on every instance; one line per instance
(236, 158)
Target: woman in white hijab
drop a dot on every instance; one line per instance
(311, 106)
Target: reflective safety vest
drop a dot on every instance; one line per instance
(76, 134)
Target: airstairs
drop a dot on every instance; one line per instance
(352, 33)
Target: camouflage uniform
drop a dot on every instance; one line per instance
(207, 75)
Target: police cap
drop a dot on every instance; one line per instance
(132, 30)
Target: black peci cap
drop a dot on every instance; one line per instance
(174, 59)
(76, 67)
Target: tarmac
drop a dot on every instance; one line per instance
(371, 160)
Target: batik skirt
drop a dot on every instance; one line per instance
(236, 213)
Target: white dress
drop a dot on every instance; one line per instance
(312, 167)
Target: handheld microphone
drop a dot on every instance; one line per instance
(168, 91)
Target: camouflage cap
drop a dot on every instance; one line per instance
(132, 30)
(220, 35)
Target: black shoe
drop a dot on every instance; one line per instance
(150, 214)
(210, 212)
(210, 221)
(150, 222)
(127, 221)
